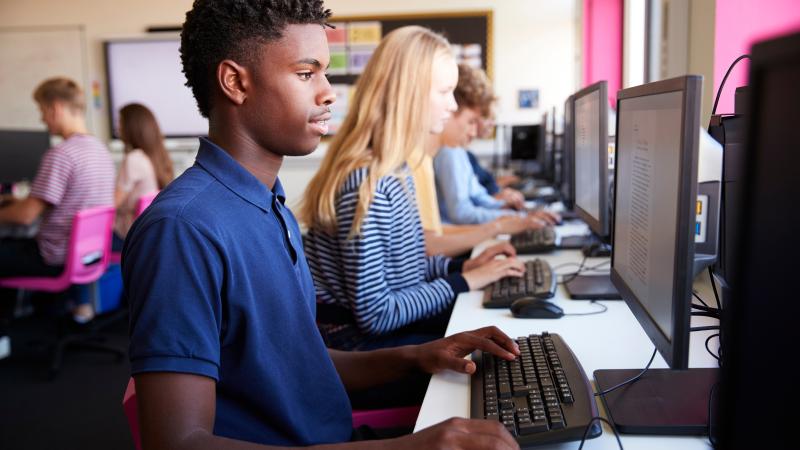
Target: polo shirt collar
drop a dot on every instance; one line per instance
(232, 175)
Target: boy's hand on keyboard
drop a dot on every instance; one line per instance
(513, 198)
(448, 353)
(490, 253)
(480, 277)
(548, 217)
(457, 434)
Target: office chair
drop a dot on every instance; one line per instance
(141, 204)
(377, 418)
(87, 258)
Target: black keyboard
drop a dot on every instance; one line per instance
(538, 281)
(531, 242)
(542, 397)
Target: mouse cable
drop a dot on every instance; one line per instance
(589, 426)
(603, 309)
(631, 380)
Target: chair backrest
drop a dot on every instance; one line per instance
(89, 245)
(144, 202)
(376, 418)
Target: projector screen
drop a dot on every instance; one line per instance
(149, 72)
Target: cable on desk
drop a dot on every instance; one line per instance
(603, 309)
(694, 293)
(708, 349)
(715, 315)
(582, 268)
(714, 286)
(711, 438)
(705, 308)
(714, 327)
(589, 426)
(631, 380)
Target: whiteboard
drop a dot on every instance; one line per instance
(29, 56)
(149, 71)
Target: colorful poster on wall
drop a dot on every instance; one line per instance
(358, 57)
(364, 33)
(339, 107)
(337, 35)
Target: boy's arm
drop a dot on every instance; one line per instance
(176, 412)
(22, 212)
(361, 370)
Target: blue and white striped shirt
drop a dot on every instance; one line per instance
(382, 275)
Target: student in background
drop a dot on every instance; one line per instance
(224, 349)
(492, 184)
(145, 169)
(462, 200)
(74, 175)
(375, 285)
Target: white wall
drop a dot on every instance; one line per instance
(534, 45)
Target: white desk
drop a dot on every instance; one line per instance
(612, 340)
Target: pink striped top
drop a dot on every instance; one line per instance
(74, 175)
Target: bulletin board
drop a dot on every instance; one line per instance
(355, 37)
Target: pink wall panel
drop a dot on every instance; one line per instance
(740, 23)
(602, 44)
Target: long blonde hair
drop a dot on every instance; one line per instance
(387, 123)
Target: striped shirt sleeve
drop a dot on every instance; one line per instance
(377, 307)
(52, 178)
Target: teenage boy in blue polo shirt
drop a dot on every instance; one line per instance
(224, 347)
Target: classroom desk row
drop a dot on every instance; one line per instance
(611, 340)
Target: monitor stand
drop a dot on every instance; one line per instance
(592, 287)
(574, 242)
(663, 401)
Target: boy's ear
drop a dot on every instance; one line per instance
(233, 80)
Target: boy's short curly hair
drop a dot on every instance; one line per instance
(474, 90)
(215, 30)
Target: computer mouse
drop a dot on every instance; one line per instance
(535, 308)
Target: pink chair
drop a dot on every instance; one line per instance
(87, 258)
(142, 204)
(378, 418)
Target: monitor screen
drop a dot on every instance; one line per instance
(655, 210)
(20, 153)
(150, 72)
(525, 142)
(590, 140)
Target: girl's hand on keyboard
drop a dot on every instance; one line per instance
(501, 249)
(480, 277)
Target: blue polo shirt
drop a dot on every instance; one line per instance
(218, 286)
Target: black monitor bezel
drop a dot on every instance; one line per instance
(676, 351)
(567, 187)
(600, 226)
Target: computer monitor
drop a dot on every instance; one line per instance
(546, 157)
(655, 207)
(525, 142)
(590, 141)
(759, 327)
(20, 153)
(567, 187)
